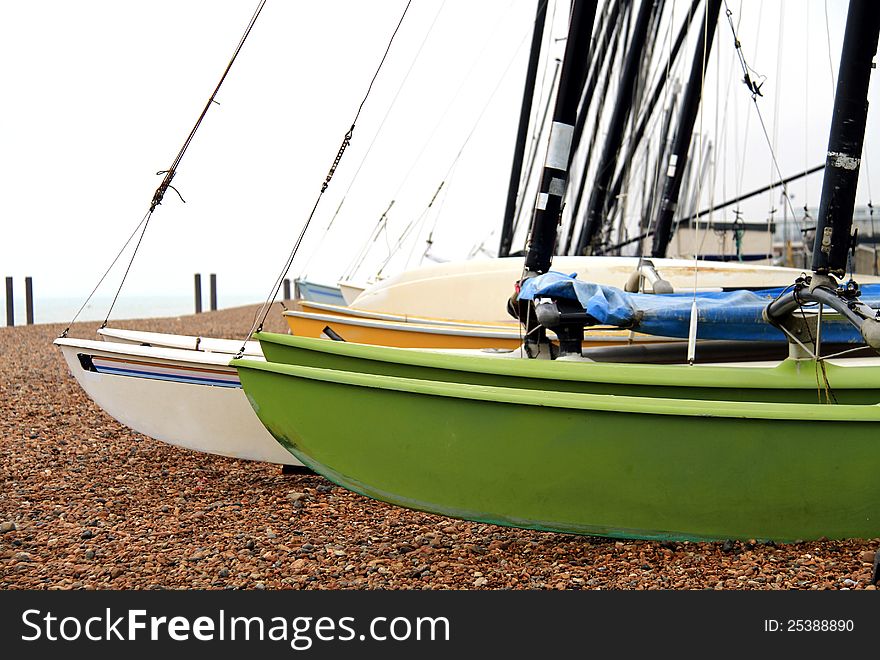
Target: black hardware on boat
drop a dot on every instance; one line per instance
(330, 333)
(548, 207)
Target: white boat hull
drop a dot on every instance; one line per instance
(185, 398)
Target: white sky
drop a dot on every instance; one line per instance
(99, 95)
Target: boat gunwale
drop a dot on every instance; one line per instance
(186, 356)
(310, 307)
(575, 400)
(472, 330)
(781, 376)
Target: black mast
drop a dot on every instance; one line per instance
(604, 36)
(618, 38)
(622, 108)
(522, 131)
(548, 206)
(833, 239)
(690, 106)
(636, 139)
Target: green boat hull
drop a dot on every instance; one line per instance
(632, 467)
(789, 382)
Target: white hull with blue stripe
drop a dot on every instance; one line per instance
(187, 398)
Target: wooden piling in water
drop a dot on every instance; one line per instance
(10, 304)
(198, 284)
(213, 292)
(29, 299)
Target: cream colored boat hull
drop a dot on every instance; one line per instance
(478, 290)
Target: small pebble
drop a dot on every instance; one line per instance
(171, 518)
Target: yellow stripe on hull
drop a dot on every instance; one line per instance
(410, 335)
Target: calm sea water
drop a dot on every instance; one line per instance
(61, 310)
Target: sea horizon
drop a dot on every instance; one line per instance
(62, 309)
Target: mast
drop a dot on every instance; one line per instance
(833, 238)
(622, 108)
(522, 131)
(690, 105)
(636, 139)
(607, 31)
(533, 150)
(662, 154)
(618, 38)
(548, 205)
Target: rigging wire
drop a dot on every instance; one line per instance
(106, 272)
(447, 175)
(751, 80)
(429, 240)
(354, 178)
(828, 43)
(692, 334)
(755, 91)
(776, 104)
(263, 312)
(159, 194)
(419, 220)
(644, 226)
(351, 268)
(806, 115)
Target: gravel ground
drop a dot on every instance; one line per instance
(87, 503)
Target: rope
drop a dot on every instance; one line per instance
(159, 194)
(346, 140)
(171, 171)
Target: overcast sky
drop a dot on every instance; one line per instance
(99, 96)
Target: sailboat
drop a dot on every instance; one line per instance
(658, 467)
(138, 376)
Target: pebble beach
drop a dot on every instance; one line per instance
(87, 503)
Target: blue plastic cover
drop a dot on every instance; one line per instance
(720, 314)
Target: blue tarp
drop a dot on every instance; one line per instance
(720, 314)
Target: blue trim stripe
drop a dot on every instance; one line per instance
(173, 373)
